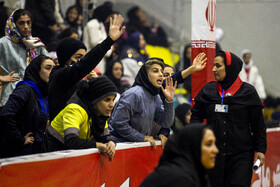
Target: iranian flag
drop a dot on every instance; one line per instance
(203, 40)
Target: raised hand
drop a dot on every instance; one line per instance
(116, 27)
(169, 90)
(9, 78)
(199, 63)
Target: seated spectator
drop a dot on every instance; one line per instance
(182, 116)
(76, 64)
(69, 32)
(139, 21)
(184, 63)
(95, 32)
(250, 73)
(186, 158)
(114, 72)
(72, 19)
(139, 106)
(17, 49)
(44, 24)
(131, 56)
(24, 118)
(83, 122)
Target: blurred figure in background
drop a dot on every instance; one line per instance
(131, 56)
(72, 19)
(115, 72)
(139, 21)
(186, 60)
(182, 116)
(250, 73)
(95, 32)
(44, 23)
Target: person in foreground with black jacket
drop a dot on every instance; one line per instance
(83, 122)
(234, 110)
(74, 65)
(186, 158)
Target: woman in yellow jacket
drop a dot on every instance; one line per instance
(83, 122)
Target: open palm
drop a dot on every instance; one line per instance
(116, 27)
(199, 63)
(169, 90)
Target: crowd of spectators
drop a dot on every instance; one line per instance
(55, 95)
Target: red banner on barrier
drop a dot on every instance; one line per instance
(131, 164)
(270, 172)
(129, 167)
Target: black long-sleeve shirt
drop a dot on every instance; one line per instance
(63, 81)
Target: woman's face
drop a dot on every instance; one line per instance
(208, 149)
(155, 74)
(142, 41)
(76, 56)
(46, 68)
(105, 106)
(72, 14)
(188, 117)
(23, 25)
(117, 70)
(219, 68)
(168, 72)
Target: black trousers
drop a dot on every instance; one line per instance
(232, 171)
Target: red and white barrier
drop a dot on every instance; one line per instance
(270, 172)
(132, 163)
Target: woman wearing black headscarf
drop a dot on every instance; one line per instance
(186, 157)
(25, 116)
(234, 109)
(139, 106)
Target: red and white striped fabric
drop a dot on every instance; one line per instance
(203, 40)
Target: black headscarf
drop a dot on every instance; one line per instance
(109, 74)
(233, 65)
(32, 73)
(142, 79)
(246, 94)
(181, 156)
